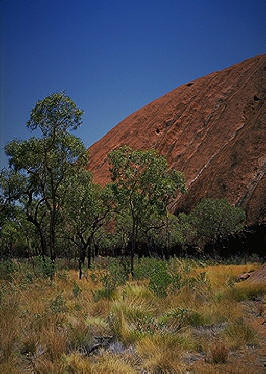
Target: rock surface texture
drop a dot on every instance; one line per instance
(212, 129)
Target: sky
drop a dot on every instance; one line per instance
(113, 57)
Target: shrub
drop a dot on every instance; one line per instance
(180, 317)
(118, 271)
(216, 218)
(76, 290)
(45, 267)
(159, 278)
(28, 278)
(58, 304)
(7, 268)
(145, 267)
(102, 293)
(115, 275)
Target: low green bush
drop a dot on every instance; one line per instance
(76, 289)
(160, 279)
(116, 274)
(145, 266)
(7, 268)
(44, 267)
(102, 293)
(58, 304)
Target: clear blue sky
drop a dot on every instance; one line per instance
(112, 57)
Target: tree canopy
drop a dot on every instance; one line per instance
(143, 185)
(216, 218)
(42, 165)
(50, 205)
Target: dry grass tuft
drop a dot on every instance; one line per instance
(260, 309)
(10, 367)
(218, 353)
(111, 364)
(55, 342)
(10, 327)
(246, 291)
(44, 324)
(76, 364)
(239, 333)
(162, 353)
(43, 365)
(205, 368)
(78, 333)
(105, 364)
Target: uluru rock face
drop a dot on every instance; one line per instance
(212, 129)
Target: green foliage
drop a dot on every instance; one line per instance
(87, 207)
(142, 181)
(157, 272)
(168, 277)
(216, 218)
(160, 279)
(76, 290)
(142, 186)
(118, 270)
(40, 167)
(145, 266)
(44, 267)
(28, 278)
(58, 304)
(55, 113)
(170, 231)
(239, 333)
(116, 274)
(7, 269)
(181, 317)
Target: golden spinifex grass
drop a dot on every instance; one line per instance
(56, 326)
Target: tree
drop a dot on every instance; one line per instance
(16, 235)
(142, 185)
(44, 164)
(216, 218)
(169, 232)
(87, 207)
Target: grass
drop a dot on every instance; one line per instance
(238, 334)
(46, 326)
(218, 353)
(161, 353)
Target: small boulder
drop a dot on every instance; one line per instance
(243, 277)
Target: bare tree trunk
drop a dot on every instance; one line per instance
(89, 251)
(81, 260)
(133, 249)
(52, 236)
(43, 243)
